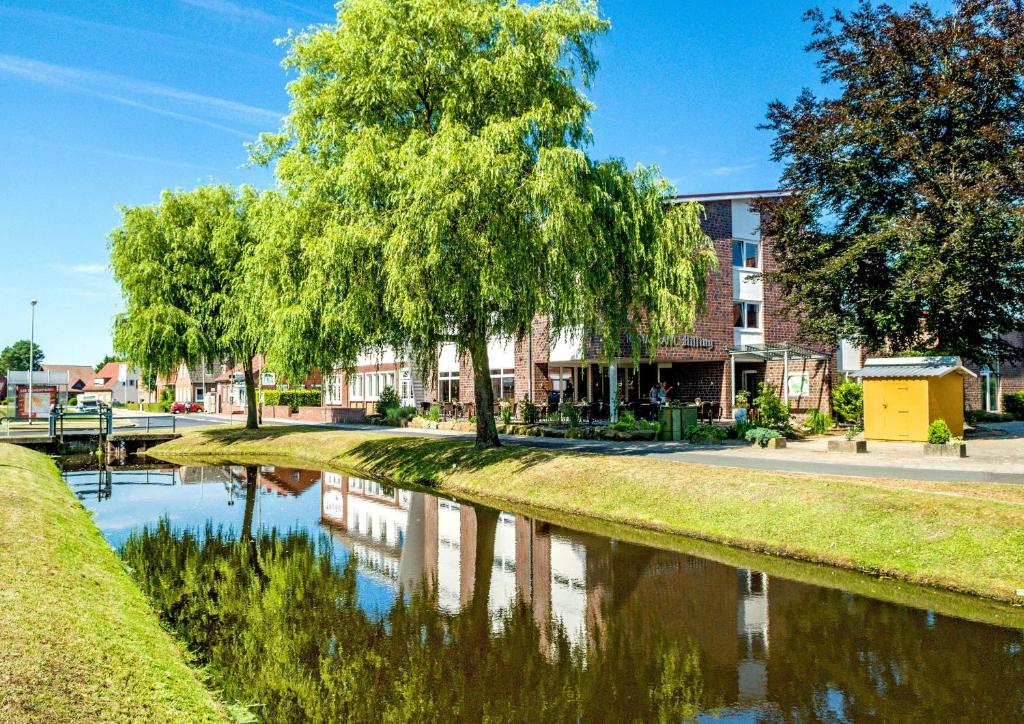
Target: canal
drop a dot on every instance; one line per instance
(312, 595)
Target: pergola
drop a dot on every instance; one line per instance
(771, 352)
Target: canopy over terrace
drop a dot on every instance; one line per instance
(771, 353)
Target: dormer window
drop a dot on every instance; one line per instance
(746, 254)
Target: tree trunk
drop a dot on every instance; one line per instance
(251, 423)
(250, 501)
(483, 394)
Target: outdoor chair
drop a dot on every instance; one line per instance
(716, 411)
(468, 410)
(704, 414)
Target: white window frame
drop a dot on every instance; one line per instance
(732, 252)
(745, 304)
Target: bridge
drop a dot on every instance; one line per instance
(118, 436)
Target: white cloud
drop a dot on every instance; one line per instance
(225, 7)
(730, 170)
(119, 89)
(86, 268)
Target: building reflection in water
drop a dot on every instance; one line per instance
(405, 538)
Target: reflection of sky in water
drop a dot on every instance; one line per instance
(140, 498)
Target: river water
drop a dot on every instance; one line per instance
(314, 595)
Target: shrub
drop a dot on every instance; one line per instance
(294, 399)
(761, 435)
(818, 422)
(166, 399)
(939, 433)
(627, 422)
(705, 433)
(395, 415)
(531, 413)
(506, 411)
(742, 399)
(848, 401)
(434, 413)
(72, 401)
(387, 400)
(852, 432)
(975, 416)
(554, 418)
(772, 411)
(570, 413)
(153, 407)
(738, 430)
(1014, 405)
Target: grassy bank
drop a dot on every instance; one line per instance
(78, 641)
(962, 537)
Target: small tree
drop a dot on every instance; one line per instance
(439, 192)
(181, 266)
(16, 357)
(848, 402)
(772, 411)
(107, 358)
(388, 399)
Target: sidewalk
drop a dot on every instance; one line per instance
(996, 458)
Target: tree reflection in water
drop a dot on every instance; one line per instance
(278, 623)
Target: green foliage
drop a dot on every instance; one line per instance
(455, 199)
(15, 357)
(188, 292)
(853, 431)
(397, 415)
(705, 433)
(742, 399)
(738, 430)
(434, 413)
(505, 407)
(772, 411)
(387, 399)
(571, 413)
(628, 422)
(154, 407)
(554, 418)
(1014, 405)
(848, 401)
(294, 399)
(873, 248)
(529, 411)
(939, 433)
(975, 416)
(761, 435)
(818, 422)
(166, 399)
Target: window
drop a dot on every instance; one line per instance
(448, 390)
(746, 254)
(503, 383)
(746, 315)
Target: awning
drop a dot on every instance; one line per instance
(768, 352)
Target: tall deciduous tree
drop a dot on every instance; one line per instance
(181, 267)
(908, 228)
(16, 356)
(439, 191)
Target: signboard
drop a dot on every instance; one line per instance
(43, 398)
(268, 379)
(798, 384)
(679, 340)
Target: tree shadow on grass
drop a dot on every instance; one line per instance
(422, 460)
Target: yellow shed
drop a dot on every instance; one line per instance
(904, 395)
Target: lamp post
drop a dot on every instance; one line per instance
(31, 360)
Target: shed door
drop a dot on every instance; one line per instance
(898, 410)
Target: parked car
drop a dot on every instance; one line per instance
(88, 405)
(184, 407)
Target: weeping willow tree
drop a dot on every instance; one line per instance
(181, 267)
(438, 190)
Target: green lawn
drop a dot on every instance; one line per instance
(962, 537)
(78, 640)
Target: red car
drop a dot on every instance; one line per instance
(180, 407)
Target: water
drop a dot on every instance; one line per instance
(320, 596)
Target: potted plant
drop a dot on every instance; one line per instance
(851, 444)
(740, 406)
(765, 437)
(941, 441)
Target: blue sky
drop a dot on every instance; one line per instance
(105, 103)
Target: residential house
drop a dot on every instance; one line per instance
(79, 376)
(115, 383)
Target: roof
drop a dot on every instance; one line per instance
(776, 351)
(734, 195)
(106, 378)
(889, 367)
(76, 373)
(39, 377)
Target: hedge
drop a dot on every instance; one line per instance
(293, 398)
(1014, 405)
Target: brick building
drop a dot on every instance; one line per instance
(745, 338)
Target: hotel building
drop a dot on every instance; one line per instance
(743, 339)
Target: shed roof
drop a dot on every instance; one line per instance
(912, 367)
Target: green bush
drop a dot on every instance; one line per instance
(387, 400)
(939, 433)
(761, 435)
(705, 433)
(530, 411)
(1014, 405)
(571, 413)
(627, 422)
(818, 422)
(294, 399)
(395, 415)
(166, 399)
(505, 408)
(848, 401)
(738, 430)
(772, 411)
(434, 413)
(975, 416)
(852, 432)
(153, 407)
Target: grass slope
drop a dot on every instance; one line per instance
(78, 640)
(965, 537)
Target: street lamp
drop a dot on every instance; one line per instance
(31, 360)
